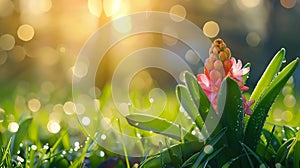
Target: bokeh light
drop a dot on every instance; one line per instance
(80, 70)
(34, 105)
(253, 39)
(211, 29)
(13, 127)
(86, 121)
(250, 3)
(178, 10)
(288, 3)
(2, 115)
(95, 7)
(287, 116)
(192, 57)
(3, 57)
(35, 7)
(17, 54)
(25, 32)
(289, 101)
(69, 108)
(7, 42)
(53, 126)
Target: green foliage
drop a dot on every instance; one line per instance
(263, 105)
(161, 126)
(231, 109)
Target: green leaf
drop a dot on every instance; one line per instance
(295, 147)
(200, 99)
(202, 103)
(214, 140)
(268, 76)
(231, 109)
(260, 112)
(272, 138)
(20, 135)
(160, 126)
(164, 158)
(289, 132)
(283, 150)
(245, 77)
(257, 157)
(187, 103)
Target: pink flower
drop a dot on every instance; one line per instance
(216, 68)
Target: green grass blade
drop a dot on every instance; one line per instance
(231, 109)
(78, 161)
(160, 126)
(187, 150)
(260, 112)
(20, 135)
(256, 156)
(268, 75)
(6, 152)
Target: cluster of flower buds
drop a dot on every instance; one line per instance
(219, 65)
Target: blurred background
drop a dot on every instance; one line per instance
(40, 40)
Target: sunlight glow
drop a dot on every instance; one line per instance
(6, 8)
(111, 7)
(95, 7)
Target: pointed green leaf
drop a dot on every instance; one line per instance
(272, 139)
(197, 157)
(256, 156)
(231, 109)
(20, 135)
(296, 149)
(187, 103)
(200, 99)
(202, 103)
(160, 126)
(268, 75)
(245, 77)
(289, 132)
(283, 150)
(260, 112)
